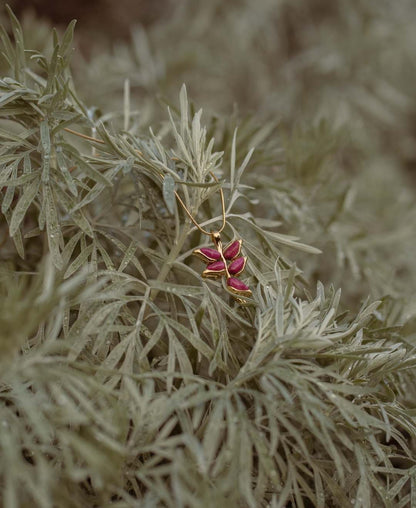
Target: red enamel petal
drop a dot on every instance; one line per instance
(207, 254)
(217, 266)
(237, 266)
(216, 269)
(233, 250)
(210, 253)
(237, 284)
(237, 287)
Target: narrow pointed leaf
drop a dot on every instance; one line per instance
(68, 37)
(53, 227)
(46, 149)
(169, 193)
(23, 204)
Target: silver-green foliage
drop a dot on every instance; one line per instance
(128, 381)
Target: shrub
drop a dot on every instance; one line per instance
(126, 379)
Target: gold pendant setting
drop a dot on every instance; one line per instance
(217, 266)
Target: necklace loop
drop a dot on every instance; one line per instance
(209, 233)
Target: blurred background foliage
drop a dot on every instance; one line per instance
(123, 377)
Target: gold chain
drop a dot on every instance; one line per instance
(209, 233)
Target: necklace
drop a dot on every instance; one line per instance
(215, 258)
(221, 262)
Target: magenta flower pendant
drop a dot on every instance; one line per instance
(217, 267)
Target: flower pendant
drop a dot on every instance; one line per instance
(217, 267)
